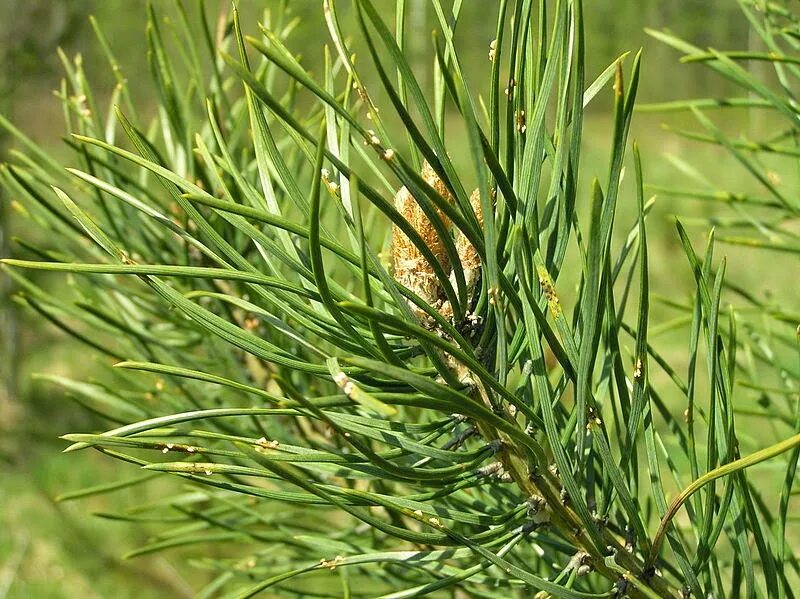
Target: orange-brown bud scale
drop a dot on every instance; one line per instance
(467, 254)
(411, 268)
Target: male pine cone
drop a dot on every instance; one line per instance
(411, 268)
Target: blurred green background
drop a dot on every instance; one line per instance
(50, 549)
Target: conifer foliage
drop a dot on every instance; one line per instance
(382, 340)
